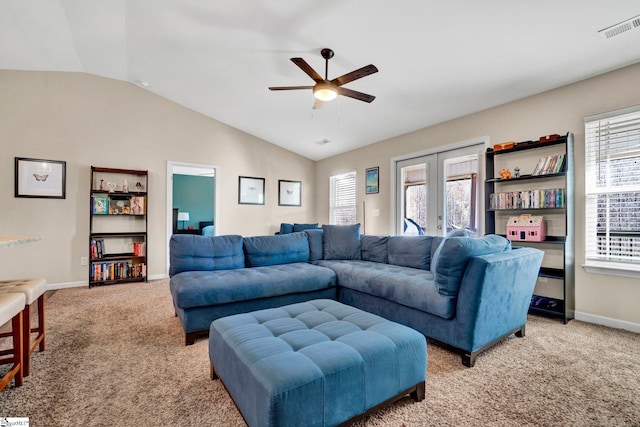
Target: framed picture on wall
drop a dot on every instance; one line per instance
(250, 190)
(40, 178)
(372, 180)
(289, 193)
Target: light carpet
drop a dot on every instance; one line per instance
(116, 357)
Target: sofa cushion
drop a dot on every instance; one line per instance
(286, 228)
(301, 227)
(410, 287)
(454, 256)
(190, 252)
(374, 248)
(410, 251)
(341, 241)
(192, 289)
(315, 243)
(274, 250)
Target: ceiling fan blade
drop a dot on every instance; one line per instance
(355, 75)
(355, 94)
(307, 69)
(289, 87)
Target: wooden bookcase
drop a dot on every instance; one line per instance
(548, 193)
(117, 226)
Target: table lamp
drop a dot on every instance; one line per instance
(183, 216)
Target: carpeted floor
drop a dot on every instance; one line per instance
(116, 357)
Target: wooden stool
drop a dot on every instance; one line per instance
(11, 308)
(33, 290)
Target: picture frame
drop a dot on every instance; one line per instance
(289, 193)
(372, 180)
(39, 178)
(250, 190)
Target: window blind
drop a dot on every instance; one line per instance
(342, 198)
(612, 187)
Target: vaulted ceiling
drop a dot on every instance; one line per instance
(437, 60)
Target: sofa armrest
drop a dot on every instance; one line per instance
(495, 295)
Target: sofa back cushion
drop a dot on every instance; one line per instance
(374, 248)
(410, 251)
(188, 252)
(341, 241)
(278, 249)
(455, 253)
(315, 243)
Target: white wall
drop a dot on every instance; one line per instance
(598, 298)
(87, 120)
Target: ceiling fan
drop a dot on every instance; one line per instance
(325, 89)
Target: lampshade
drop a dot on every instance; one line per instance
(183, 216)
(325, 91)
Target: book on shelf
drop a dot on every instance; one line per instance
(549, 165)
(100, 205)
(120, 206)
(97, 248)
(137, 205)
(529, 199)
(139, 248)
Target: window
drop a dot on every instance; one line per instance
(342, 198)
(612, 190)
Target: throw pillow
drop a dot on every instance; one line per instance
(455, 254)
(341, 241)
(302, 227)
(439, 241)
(286, 228)
(315, 243)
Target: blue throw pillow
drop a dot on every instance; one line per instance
(410, 251)
(374, 248)
(438, 240)
(302, 227)
(286, 228)
(341, 241)
(189, 252)
(455, 254)
(315, 243)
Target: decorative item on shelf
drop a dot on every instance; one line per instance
(111, 186)
(516, 171)
(125, 186)
(182, 217)
(549, 138)
(504, 145)
(505, 174)
(101, 187)
(139, 186)
(526, 228)
(120, 207)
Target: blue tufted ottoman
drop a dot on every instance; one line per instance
(318, 363)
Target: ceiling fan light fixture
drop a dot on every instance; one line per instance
(325, 91)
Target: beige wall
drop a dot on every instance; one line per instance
(599, 298)
(87, 120)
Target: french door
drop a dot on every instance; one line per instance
(439, 192)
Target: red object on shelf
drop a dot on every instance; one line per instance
(549, 138)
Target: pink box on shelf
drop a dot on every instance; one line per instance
(527, 228)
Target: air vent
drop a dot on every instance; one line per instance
(323, 141)
(620, 28)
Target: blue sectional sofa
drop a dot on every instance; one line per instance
(463, 293)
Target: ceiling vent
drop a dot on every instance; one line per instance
(323, 141)
(620, 28)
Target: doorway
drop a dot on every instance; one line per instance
(439, 192)
(192, 220)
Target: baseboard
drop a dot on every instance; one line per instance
(56, 286)
(608, 321)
